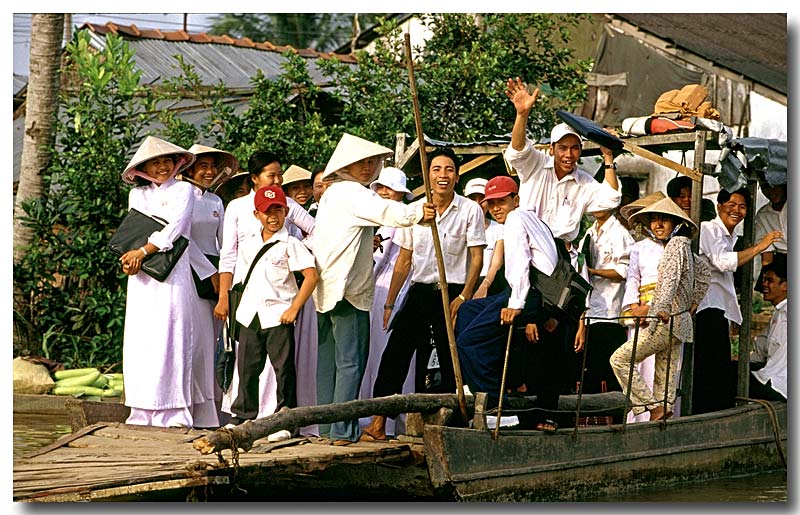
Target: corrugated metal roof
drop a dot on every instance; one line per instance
(753, 44)
(214, 58)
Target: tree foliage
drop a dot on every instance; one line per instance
(73, 292)
(321, 31)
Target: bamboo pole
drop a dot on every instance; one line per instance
(423, 159)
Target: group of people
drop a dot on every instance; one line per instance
(339, 290)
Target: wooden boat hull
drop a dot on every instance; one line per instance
(533, 466)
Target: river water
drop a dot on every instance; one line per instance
(32, 432)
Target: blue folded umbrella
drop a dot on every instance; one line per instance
(591, 131)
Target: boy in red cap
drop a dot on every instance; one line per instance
(269, 305)
(480, 333)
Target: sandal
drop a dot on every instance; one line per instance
(548, 426)
(366, 437)
(342, 443)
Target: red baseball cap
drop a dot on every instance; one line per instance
(269, 196)
(499, 187)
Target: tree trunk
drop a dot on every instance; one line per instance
(291, 419)
(41, 106)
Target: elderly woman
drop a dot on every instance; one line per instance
(681, 283)
(163, 323)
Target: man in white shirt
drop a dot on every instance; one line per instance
(609, 245)
(421, 318)
(772, 217)
(714, 384)
(552, 185)
(348, 213)
(474, 190)
(769, 381)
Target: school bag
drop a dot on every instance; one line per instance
(564, 290)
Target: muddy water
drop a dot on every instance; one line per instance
(32, 432)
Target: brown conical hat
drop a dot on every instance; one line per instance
(351, 149)
(295, 174)
(629, 209)
(154, 147)
(226, 163)
(664, 206)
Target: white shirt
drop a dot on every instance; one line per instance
(560, 204)
(460, 226)
(609, 248)
(241, 224)
(207, 218)
(768, 220)
(343, 241)
(716, 243)
(642, 269)
(527, 242)
(272, 286)
(772, 348)
(493, 233)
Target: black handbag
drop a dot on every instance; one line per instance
(564, 290)
(226, 357)
(133, 233)
(204, 287)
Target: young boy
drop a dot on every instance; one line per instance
(270, 304)
(480, 331)
(769, 381)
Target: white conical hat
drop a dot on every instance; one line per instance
(154, 147)
(351, 149)
(226, 164)
(295, 174)
(664, 206)
(637, 205)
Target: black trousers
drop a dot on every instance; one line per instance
(602, 338)
(547, 372)
(255, 344)
(411, 331)
(714, 377)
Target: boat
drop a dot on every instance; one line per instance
(572, 464)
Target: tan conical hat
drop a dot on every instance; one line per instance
(664, 206)
(351, 149)
(226, 163)
(154, 147)
(629, 209)
(295, 174)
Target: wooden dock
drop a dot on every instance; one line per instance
(119, 462)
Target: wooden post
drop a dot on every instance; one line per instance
(687, 368)
(746, 295)
(423, 159)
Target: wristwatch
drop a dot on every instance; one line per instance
(613, 166)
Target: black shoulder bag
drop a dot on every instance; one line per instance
(132, 234)
(564, 290)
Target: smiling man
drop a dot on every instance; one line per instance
(553, 186)
(714, 384)
(422, 317)
(769, 381)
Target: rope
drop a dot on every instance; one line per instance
(773, 418)
(234, 458)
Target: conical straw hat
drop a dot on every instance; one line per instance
(664, 206)
(154, 147)
(352, 149)
(226, 163)
(629, 209)
(295, 174)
